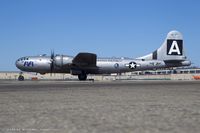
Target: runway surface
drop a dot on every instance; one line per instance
(100, 107)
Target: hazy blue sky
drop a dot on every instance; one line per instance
(129, 28)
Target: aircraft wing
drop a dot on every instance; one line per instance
(85, 60)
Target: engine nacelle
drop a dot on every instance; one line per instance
(60, 60)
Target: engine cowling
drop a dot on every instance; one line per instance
(60, 60)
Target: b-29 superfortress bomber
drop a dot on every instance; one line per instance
(170, 54)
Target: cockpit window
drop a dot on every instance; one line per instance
(23, 58)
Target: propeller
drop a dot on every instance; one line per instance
(52, 62)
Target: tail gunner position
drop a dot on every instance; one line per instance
(170, 54)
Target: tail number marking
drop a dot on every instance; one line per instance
(174, 47)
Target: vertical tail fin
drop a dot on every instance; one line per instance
(171, 50)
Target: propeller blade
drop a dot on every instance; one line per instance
(52, 54)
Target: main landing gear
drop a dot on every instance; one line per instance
(82, 77)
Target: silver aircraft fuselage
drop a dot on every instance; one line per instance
(170, 54)
(41, 64)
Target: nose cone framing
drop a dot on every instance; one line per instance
(19, 64)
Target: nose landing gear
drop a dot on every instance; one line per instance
(21, 77)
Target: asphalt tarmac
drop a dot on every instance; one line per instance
(100, 107)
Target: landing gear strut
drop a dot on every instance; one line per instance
(82, 77)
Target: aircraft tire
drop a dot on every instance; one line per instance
(21, 78)
(82, 77)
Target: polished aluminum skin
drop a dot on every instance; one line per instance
(170, 54)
